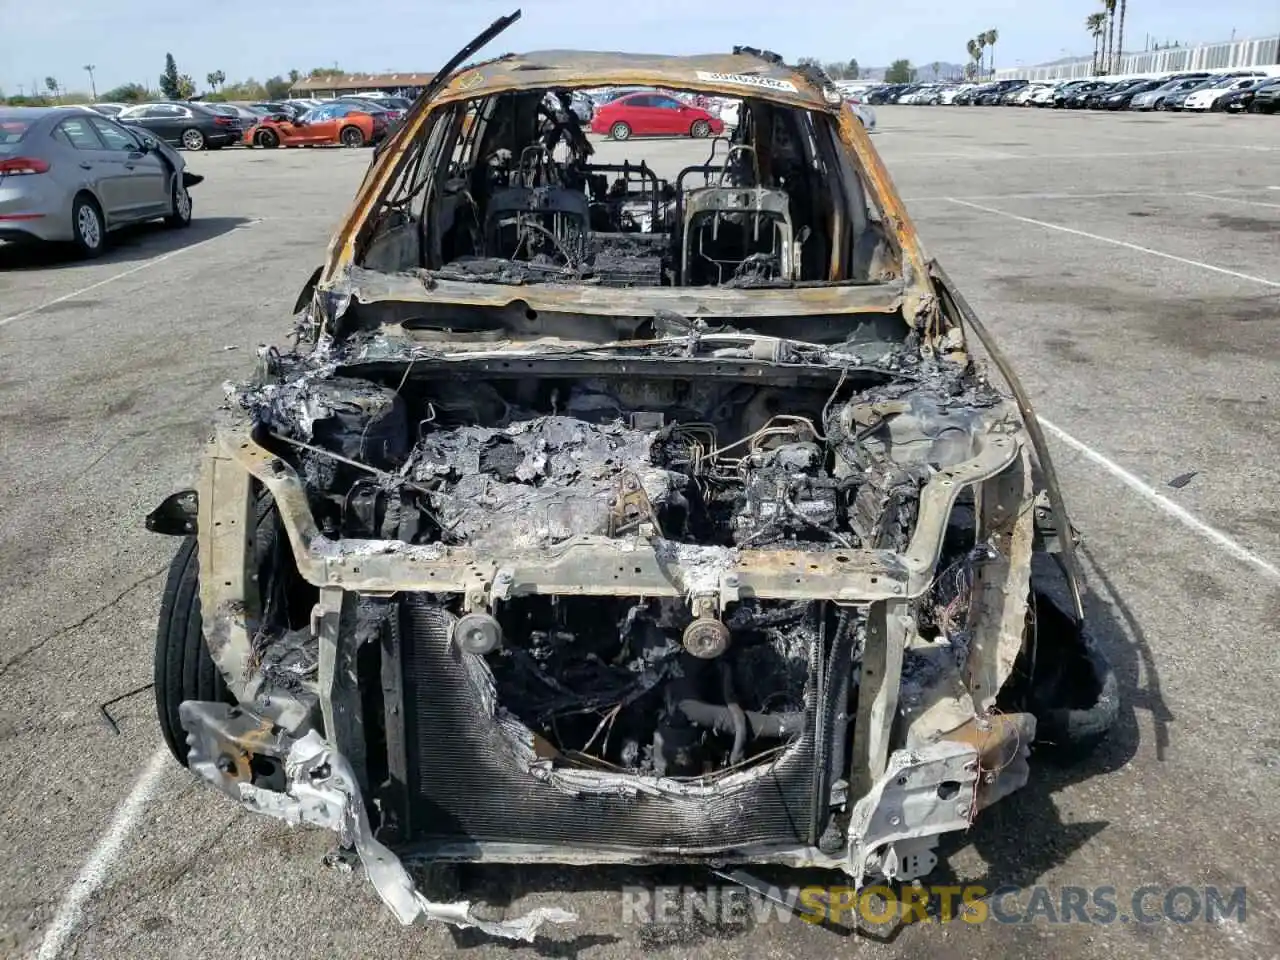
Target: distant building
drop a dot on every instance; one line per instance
(396, 84)
(1233, 54)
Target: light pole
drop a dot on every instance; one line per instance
(93, 87)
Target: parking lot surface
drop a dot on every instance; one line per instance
(1130, 267)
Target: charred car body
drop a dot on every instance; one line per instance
(606, 517)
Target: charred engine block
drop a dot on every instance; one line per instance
(788, 495)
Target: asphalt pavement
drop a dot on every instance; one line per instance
(1130, 267)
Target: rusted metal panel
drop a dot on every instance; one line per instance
(1001, 585)
(586, 567)
(730, 74)
(640, 301)
(889, 625)
(920, 300)
(228, 584)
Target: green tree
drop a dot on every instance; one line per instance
(1109, 8)
(1096, 24)
(216, 79)
(277, 87)
(249, 89)
(51, 84)
(128, 93)
(294, 77)
(186, 87)
(841, 70)
(320, 73)
(989, 39)
(899, 72)
(169, 79)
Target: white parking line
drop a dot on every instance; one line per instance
(1104, 195)
(122, 274)
(1218, 196)
(94, 872)
(1236, 549)
(953, 157)
(1119, 243)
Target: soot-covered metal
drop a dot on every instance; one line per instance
(654, 522)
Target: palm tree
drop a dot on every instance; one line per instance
(991, 36)
(1110, 7)
(1096, 24)
(1120, 41)
(981, 41)
(972, 47)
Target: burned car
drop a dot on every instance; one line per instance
(604, 513)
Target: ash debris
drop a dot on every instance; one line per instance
(538, 482)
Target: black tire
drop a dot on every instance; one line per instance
(1160, 105)
(700, 130)
(88, 226)
(620, 131)
(267, 139)
(184, 669)
(1072, 732)
(180, 202)
(192, 139)
(351, 137)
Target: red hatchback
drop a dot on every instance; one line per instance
(653, 115)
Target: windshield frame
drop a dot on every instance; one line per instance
(914, 297)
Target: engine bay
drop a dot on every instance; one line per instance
(647, 685)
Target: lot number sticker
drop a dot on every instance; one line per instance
(746, 80)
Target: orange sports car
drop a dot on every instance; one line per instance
(335, 123)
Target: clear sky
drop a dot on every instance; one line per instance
(127, 39)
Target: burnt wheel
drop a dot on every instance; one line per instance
(184, 669)
(620, 131)
(351, 137)
(700, 130)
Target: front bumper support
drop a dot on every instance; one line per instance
(304, 781)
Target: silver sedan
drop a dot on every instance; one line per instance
(68, 174)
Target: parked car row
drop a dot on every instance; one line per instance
(1235, 91)
(208, 125)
